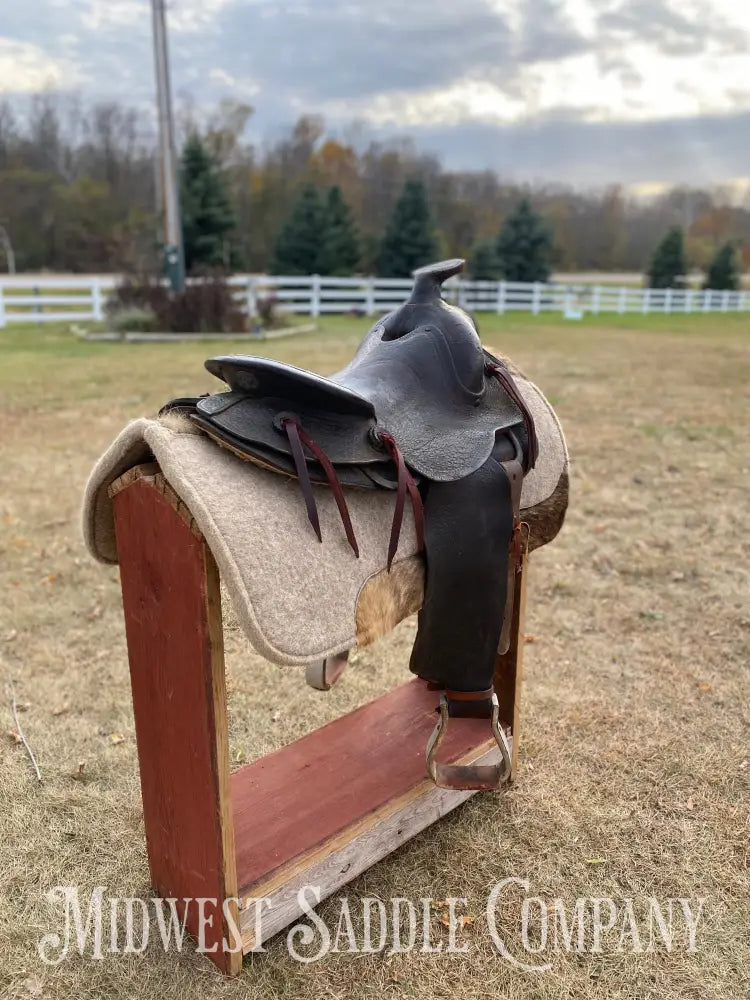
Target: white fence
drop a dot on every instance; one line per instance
(41, 299)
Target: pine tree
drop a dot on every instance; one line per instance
(484, 264)
(409, 240)
(668, 261)
(339, 249)
(207, 215)
(524, 245)
(298, 243)
(723, 271)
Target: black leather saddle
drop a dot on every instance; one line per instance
(422, 410)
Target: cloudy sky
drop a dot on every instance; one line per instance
(582, 91)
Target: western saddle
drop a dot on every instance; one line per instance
(422, 410)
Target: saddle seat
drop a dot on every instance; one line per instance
(408, 387)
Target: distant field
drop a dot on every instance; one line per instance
(634, 775)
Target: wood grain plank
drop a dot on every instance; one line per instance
(172, 606)
(322, 784)
(343, 857)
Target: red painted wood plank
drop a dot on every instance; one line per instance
(170, 598)
(292, 800)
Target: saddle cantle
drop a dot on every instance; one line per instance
(423, 410)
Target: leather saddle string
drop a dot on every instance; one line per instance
(298, 436)
(405, 482)
(505, 380)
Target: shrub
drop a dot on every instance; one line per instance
(133, 318)
(265, 306)
(135, 291)
(205, 305)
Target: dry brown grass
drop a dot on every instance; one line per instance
(635, 740)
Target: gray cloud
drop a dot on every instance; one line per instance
(700, 150)
(305, 54)
(547, 33)
(338, 51)
(663, 23)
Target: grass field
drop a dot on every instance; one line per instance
(635, 758)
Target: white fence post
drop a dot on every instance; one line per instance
(668, 301)
(725, 301)
(96, 300)
(688, 306)
(2, 309)
(646, 302)
(501, 297)
(370, 296)
(536, 298)
(250, 301)
(595, 299)
(315, 300)
(622, 300)
(706, 300)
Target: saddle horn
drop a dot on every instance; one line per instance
(428, 280)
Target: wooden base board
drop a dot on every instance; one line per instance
(322, 810)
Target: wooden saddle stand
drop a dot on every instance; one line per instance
(317, 812)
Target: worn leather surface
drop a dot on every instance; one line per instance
(282, 391)
(468, 527)
(432, 397)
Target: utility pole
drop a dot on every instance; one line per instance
(10, 257)
(174, 257)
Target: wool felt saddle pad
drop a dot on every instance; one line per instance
(296, 600)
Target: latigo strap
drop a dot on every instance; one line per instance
(297, 437)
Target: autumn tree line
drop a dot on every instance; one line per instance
(79, 189)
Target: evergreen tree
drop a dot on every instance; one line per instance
(524, 245)
(723, 272)
(409, 240)
(207, 215)
(484, 264)
(668, 262)
(339, 249)
(298, 243)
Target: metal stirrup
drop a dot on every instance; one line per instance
(478, 777)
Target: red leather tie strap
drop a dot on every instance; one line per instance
(405, 482)
(292, 432)
(504, 379)
(298, 436)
